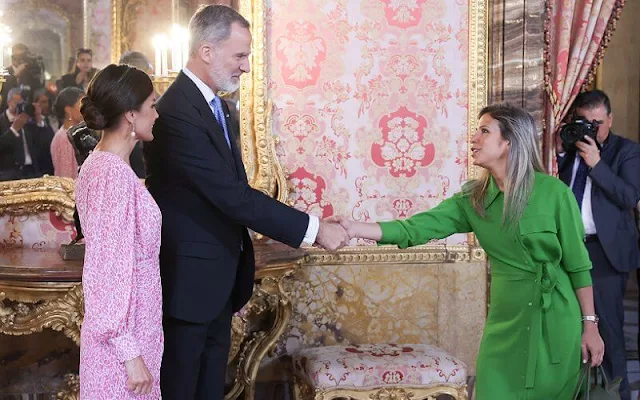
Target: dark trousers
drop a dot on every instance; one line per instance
(194, 363)
(608, 293)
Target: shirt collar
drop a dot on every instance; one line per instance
(206, 91)
(10, 116)
(492, 193)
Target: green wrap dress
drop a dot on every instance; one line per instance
(530, 348)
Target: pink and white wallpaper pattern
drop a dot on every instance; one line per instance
(371, 102)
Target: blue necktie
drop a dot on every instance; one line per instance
(216, 103)
(580, 181)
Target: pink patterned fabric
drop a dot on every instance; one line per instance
(121, 278)
(371, 103)
(378, 365)
(574, 31)
(63, 155)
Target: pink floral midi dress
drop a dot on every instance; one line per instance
(121, 278)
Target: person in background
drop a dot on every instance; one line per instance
(121, 337)
(83, 72)
(67, 108)
(136, 59)
(43, 98)
(535, 338)
(140, 61)
(24, 140)
(605, 179)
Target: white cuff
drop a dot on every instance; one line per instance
(561, 154)
(312, 231)
(15, 132)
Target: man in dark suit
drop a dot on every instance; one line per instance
(196, 175)
(606, 182)
(24, 142)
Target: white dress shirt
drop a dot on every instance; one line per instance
(586, 210)
(27, 154)
(208, 94)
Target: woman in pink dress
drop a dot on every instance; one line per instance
(67, 109)
(121, 340)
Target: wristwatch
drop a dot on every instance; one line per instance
(591, 318)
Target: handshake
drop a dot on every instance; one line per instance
(334, 233)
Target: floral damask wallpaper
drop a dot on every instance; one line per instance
(370, 103)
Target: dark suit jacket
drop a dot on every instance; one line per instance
(615, 190)
(201, 188)
(12, 149)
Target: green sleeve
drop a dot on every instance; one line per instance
(575, 259)
(441, 221)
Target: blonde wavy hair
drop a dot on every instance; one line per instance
(519, 129)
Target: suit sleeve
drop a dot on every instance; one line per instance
(575, 259)
(622, 189)
(8, 140)
(194, 158)
(443, 220)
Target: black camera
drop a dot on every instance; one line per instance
(576, 130)
(27, 108)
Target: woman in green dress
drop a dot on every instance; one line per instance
(541, 323)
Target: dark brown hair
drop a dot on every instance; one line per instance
(113, 91)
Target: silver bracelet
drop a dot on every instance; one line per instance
(591, 318)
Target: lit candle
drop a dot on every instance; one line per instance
(158, 60)
(164, 56)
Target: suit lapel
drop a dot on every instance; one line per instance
(214, 129)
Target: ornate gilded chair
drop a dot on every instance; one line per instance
(378, 372)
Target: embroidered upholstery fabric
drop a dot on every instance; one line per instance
(378, 365)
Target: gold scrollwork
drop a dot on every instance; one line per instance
(391, 255)
(270, 301)
(303, 391)
(64, 315)
(31, 196)
(123, 25)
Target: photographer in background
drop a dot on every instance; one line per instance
(603, 171)
(24, 140)
(26, 71)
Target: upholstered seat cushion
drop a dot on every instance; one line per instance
(378, 365)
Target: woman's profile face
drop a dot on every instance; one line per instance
(84, 62)
(145, 119)
(488, 147)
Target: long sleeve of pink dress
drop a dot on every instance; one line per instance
(121, 278)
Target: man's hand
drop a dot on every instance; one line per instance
(17, 71)
(589, 151)
(20, 121)
(331, 236)
(39, 116)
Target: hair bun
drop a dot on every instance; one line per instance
(93, 115)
